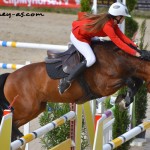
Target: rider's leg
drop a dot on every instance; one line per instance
(85, 49)
(65, 83)
(87, 52)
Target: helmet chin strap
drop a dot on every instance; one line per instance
(118, 20)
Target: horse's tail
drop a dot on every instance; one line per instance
(3, 102)
(4, 105)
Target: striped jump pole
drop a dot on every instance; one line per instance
(56, 48)
(43, 130)
(11, 66)
(127, 136)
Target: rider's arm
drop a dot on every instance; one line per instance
(109, 30)
(123, 37)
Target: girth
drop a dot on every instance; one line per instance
(89, 94)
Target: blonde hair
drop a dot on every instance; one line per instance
(97, 22)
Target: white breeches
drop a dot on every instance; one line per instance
(85, 49)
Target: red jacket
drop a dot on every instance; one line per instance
(109, 29)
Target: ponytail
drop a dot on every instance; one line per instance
(97, 22)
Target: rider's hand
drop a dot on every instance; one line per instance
(137, 54)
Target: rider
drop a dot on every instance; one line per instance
(83, 30)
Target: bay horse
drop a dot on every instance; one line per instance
(33, 88)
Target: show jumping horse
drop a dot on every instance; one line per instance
(32, 87)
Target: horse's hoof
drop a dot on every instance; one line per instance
(119, 98)
(128, 99)
(122, 105)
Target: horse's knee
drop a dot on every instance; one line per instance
(138, 82)
(130, 82)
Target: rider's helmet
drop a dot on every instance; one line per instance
(118, 9)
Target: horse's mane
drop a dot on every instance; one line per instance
(108, 45)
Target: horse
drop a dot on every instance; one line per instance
(32, 87)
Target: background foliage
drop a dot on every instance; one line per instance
(60, 134)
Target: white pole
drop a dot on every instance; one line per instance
(123, 23)
(43, 130)
(127, 136)
(56, 48)
(122, 26)
(26, 131)
(94, 7)
(11, 66)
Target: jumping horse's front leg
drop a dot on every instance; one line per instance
(133, 85)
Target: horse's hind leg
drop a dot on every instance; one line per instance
(15, 133)
(39, 109)
(23, 121)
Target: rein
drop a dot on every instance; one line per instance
(118, 20)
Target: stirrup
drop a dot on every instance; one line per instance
(64, 85)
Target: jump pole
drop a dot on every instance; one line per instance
(127, 136)
(43, 130)
(56, 48)
(10, 66)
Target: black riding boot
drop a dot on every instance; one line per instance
(65, 83)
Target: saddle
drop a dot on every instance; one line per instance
(60, 65)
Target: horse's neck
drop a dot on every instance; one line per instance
(122, 65)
